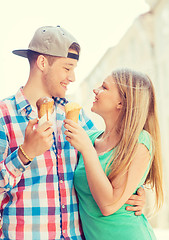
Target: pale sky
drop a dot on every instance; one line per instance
(96, 24)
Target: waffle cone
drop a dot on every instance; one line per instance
(45, 106)
(72, 111)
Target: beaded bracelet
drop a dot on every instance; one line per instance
(25, 155)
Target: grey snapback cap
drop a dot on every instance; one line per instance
(53, 41)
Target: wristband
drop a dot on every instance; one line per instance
(25, 155)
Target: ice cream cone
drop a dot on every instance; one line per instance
(72, 111)
(45, 109)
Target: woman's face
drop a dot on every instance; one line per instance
(107, 100)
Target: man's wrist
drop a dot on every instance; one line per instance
(23, 155)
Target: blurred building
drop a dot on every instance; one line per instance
(144, 47)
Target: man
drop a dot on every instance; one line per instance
(36, 162)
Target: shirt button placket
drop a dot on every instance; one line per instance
(62, 189)
(63, 203)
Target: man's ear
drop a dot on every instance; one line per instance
(41, 62)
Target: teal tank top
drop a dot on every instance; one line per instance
(121, 225)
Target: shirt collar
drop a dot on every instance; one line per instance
(23, 104)
(61, 101)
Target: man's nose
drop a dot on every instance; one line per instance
(71, 77)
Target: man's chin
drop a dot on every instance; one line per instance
(60, 95)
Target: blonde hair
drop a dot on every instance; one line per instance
(139, 112)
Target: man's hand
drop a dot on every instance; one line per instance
(138, 202)
(37, 141)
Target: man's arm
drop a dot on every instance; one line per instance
(138, 201)
(12, 166)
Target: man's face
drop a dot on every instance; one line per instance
(57, 76)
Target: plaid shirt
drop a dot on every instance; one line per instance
(38, 199)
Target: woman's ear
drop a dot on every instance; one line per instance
(41, 62)
(119, 105)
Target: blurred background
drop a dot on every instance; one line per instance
(112, 34)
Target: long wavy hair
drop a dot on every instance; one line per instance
(139, 112)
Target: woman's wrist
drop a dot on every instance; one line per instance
(89, 149)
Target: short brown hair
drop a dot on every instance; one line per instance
(32, 57)
(75, 46)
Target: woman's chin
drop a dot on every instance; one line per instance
(92, 109)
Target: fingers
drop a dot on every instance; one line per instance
(42, 128)
(69, 128)
(68, 134)
(133, 208)
(136, 209)
(135, 202)
(69, 123)
(45, 126)
(46, 138)
(69, 137)
(31, 124)
(44, 131)
(50, 141)
(140, 191)
(139, 196)
(138, 213)
(134, 197)
(48, 132)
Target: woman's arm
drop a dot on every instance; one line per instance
(109, 196)
(130, 180)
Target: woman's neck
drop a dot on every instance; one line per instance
(108, 140)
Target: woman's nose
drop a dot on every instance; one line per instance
(95, 91)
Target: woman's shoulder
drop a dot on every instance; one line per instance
(146, 139)
(94, 133)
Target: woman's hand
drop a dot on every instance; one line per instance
(77, 136)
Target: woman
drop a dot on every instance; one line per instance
(114, 163)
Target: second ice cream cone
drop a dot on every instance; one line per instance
(72, 111)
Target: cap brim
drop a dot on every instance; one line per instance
(21, 53)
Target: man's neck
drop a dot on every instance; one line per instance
(33, 91)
